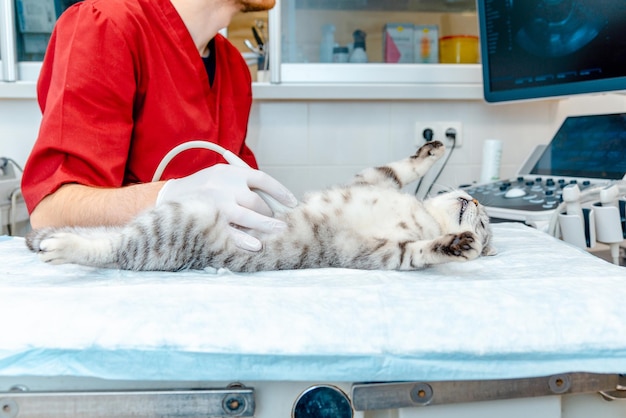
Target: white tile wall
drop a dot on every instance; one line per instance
(19, 124)
(277, 133)
(313, 144)
(597, 104)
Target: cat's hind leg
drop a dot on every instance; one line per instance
(88, 246)
(400, 173)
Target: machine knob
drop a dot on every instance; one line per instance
(323, 401)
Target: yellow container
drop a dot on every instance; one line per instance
(458, 49)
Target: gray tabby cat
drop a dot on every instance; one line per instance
(367, 224)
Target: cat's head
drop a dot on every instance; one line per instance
(457, 211)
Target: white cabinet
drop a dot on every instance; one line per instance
(295, 41)
(298, 40)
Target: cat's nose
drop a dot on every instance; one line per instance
(466, 201)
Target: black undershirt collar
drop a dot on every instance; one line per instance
(209, 62)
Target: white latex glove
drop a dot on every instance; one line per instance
(230, 187)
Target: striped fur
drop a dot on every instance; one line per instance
(367, 224)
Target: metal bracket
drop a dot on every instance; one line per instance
(205, 403)
(619, 394)
(373, 396)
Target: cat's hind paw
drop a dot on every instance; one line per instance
(460, 247)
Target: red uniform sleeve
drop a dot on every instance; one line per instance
(122, 84)
(85, 91)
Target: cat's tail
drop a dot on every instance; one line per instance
(33, 239)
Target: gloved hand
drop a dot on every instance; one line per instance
(230, 187)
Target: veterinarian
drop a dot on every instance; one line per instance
(122, 83)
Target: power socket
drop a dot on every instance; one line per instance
(439, 130)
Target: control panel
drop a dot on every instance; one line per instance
(528, 199)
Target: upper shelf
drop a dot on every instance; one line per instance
(346, 91)
(437, 6)
(374, 82)
(18, 90)
(370, 73)
(342, 82)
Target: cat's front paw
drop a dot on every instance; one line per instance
(58, 248)
(432, 149)
(461, 246)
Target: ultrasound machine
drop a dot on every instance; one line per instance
(586, 151)
(546, 49)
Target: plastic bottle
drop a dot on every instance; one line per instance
(358, 53)
(340, 54)
(328, 43)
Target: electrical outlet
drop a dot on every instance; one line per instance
(439, 130)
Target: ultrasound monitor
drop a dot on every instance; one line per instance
(592, 146)
(546, 48)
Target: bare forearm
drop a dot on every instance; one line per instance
(75, 204)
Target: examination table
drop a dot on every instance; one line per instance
(539, 330)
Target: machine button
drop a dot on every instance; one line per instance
(515, 192)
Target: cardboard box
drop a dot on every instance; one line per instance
(398, 43)
(426, 43)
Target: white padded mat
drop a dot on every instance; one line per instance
(539, 307)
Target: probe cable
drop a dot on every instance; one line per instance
(230, 157)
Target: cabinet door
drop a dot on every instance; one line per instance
(23, 41)
(390, 31)
(373, 41)
(35, 20)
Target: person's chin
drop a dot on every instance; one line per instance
(256, 5)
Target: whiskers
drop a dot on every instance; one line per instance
(442, 188)
(487, 200)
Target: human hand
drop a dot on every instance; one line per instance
(230, 187)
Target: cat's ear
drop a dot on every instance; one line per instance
(489, 250)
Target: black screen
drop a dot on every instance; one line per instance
(587, 146)
(545, 48)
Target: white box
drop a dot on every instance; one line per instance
(426, 43)
(398, 43)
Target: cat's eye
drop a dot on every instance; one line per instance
(464, 203)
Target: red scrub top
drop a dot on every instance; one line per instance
(122, 83)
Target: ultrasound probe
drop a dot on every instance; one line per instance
(230, 157)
